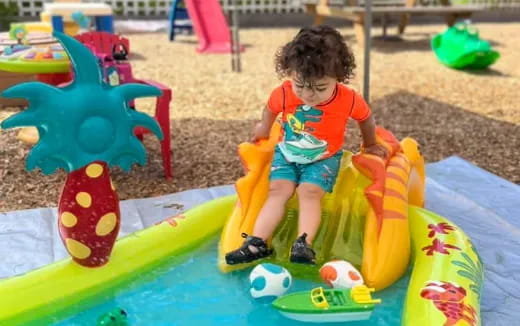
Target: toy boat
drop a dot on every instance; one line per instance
(330, 305)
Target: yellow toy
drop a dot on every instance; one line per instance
(45, 26)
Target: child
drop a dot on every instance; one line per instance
(315, 109)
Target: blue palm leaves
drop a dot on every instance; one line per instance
(85, 121)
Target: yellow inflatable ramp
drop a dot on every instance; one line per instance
(364, 219)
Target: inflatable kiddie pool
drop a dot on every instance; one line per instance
(444, 284)
(373, 219)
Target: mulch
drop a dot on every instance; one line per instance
(205, 133)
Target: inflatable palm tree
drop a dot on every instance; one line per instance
(84, 128)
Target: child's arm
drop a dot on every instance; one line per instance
(368, 131)
(263, 128)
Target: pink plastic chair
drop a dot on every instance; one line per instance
(113, 50)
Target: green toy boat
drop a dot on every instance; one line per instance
(460, 47)
(328, 305)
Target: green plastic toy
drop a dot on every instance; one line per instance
(116, 317)
(328, 305)
(18, 32)
(460, 47)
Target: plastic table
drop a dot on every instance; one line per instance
(53, 71)
(63, 11)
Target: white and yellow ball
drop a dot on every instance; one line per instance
(340, 274)
(269, 281)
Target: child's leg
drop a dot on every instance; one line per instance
(309, 197)
(315, 179)
(280, 191)
(282, 183)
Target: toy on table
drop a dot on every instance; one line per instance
(460, 47)
(58, 14)
(30, 54)
(83, 21)
(31, 38)
(17, 32)
(50, 53)
(328, 305)
(84, 128)
(13, 51)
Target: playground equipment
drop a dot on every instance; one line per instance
(86, 136)
(113, 51)
(372, 219)
(13, 43)
(460, 47)
(53, 64)
(178, 13)
(209, 23)
(59, 16)
(49, 63)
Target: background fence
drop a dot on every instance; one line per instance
(160, 8)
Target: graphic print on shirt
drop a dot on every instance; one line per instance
(299, 145)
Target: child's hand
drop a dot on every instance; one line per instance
(377, 150)
(261, 131)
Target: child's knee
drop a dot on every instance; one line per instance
(308, 191)
(281, 189)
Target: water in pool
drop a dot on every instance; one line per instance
(194, 292)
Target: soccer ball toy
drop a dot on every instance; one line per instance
(340, 274)
(269, 281)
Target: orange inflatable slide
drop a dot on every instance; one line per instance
(364, 219)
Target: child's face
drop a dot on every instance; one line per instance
(315, 92)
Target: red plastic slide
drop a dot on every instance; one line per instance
(210, 25)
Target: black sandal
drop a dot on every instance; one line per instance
(245, 255)
(301, 252)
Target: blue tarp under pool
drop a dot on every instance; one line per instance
(485, 206)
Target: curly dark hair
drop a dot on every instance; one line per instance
(316, 52)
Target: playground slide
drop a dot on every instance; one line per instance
(383, 252)
(371, 219)
(210, 26)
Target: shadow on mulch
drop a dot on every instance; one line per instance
(136, 56)
(205, 151)
(196, 42)
(393, 43)
(444, 130)
(489, 72)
